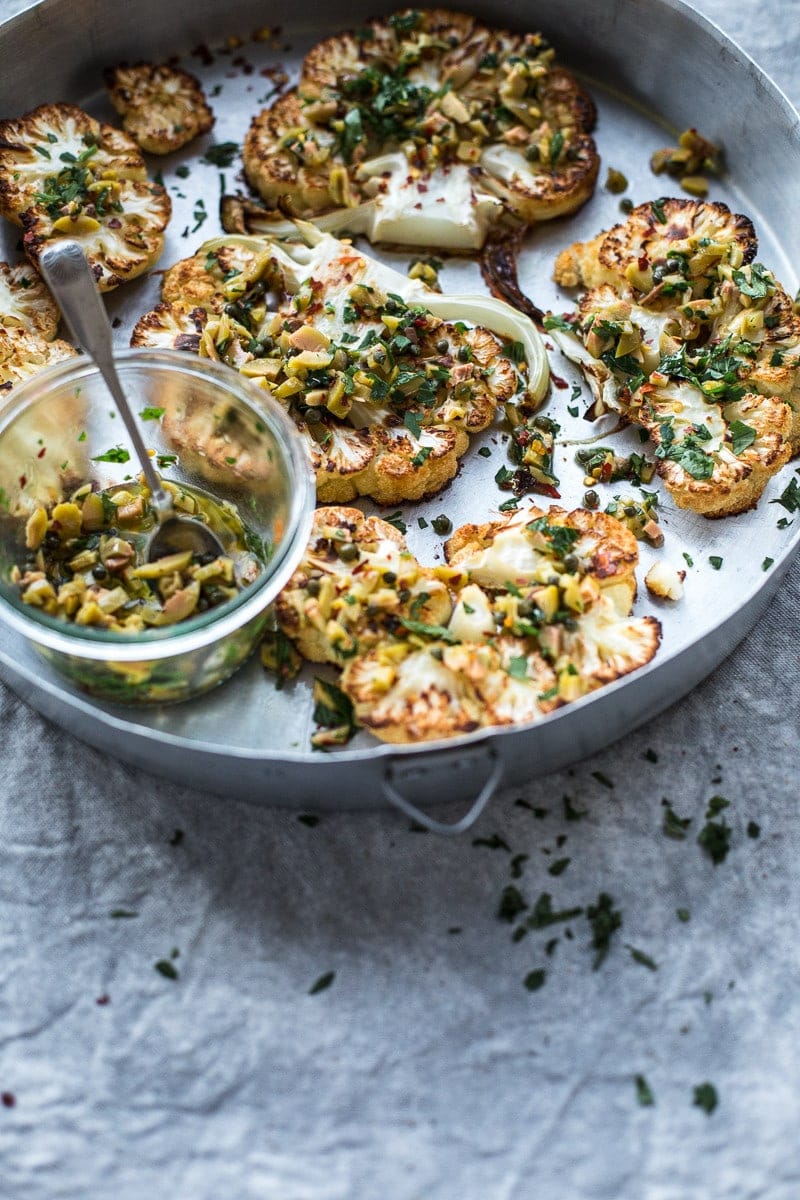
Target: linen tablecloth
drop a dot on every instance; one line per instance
(202, 999)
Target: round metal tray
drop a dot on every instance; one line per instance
(653, 66)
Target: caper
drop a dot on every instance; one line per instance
(347, 552)
(443, 346)
(390, 576)
(313, 587)
(570, 623)
(52, 540)
(206, 559)
(591, 499)
(571, 563)
(268, 344)
(630, 510)
(99, 571)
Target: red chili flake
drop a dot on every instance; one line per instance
(558, 381)
(23, 479)
(8, 1099)
(42, 452)
(104, 999)
(643, 262)
(422, 187)
(115, 223)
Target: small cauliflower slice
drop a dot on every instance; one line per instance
(356, 582)
(163, 107)
(170, 327)
(63, 174)
(26, 303)
(705, 234)
(24, 354)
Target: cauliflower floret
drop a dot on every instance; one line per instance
(163, 107)
(64, 174)
(684, 333)
(665, 581)
(385, 391)
(423, 130)
(26, 303)
(355, 584)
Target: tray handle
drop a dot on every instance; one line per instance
(398, 771)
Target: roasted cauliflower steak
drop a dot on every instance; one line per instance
(683, 332)
(163, 108)
(63, 174)
(423, 129)
(385, 392)
(355, 585)
(531, 612)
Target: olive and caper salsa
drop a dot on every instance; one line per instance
(86, 559)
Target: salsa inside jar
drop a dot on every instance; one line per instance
(87, 559)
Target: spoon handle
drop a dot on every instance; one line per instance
(69, 276)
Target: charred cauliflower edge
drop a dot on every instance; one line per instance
(530, 613)
(683, 332)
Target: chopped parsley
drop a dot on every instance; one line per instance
(683, 914)
(753, 829)
(742, 436)
(396, 519)
(222, 154)
(767, 563)
(559, 866)
(674, 826)
(644, 1093)
(333, 712)
(604, 921)
(716, 561)
(152, 413)
(518, 667)
(166, 968)
(431, 631)
(543, 914)
(705, 1097)
(639, 956)
(322, 983)
(495, 842)
(535, 979)
(601, 778)
(512, 903)
(117, 454)
(715, 836)
(552, 321)
(789, 497)
(570, 812)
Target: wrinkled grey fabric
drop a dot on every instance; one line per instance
(426, 1070)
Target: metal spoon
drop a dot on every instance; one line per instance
(69, 276)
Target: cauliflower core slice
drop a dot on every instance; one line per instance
(385, 389)
(63, 174)
(431, 654)
(356, 582)
(424, 130)
(684, 333)
(163, 108)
